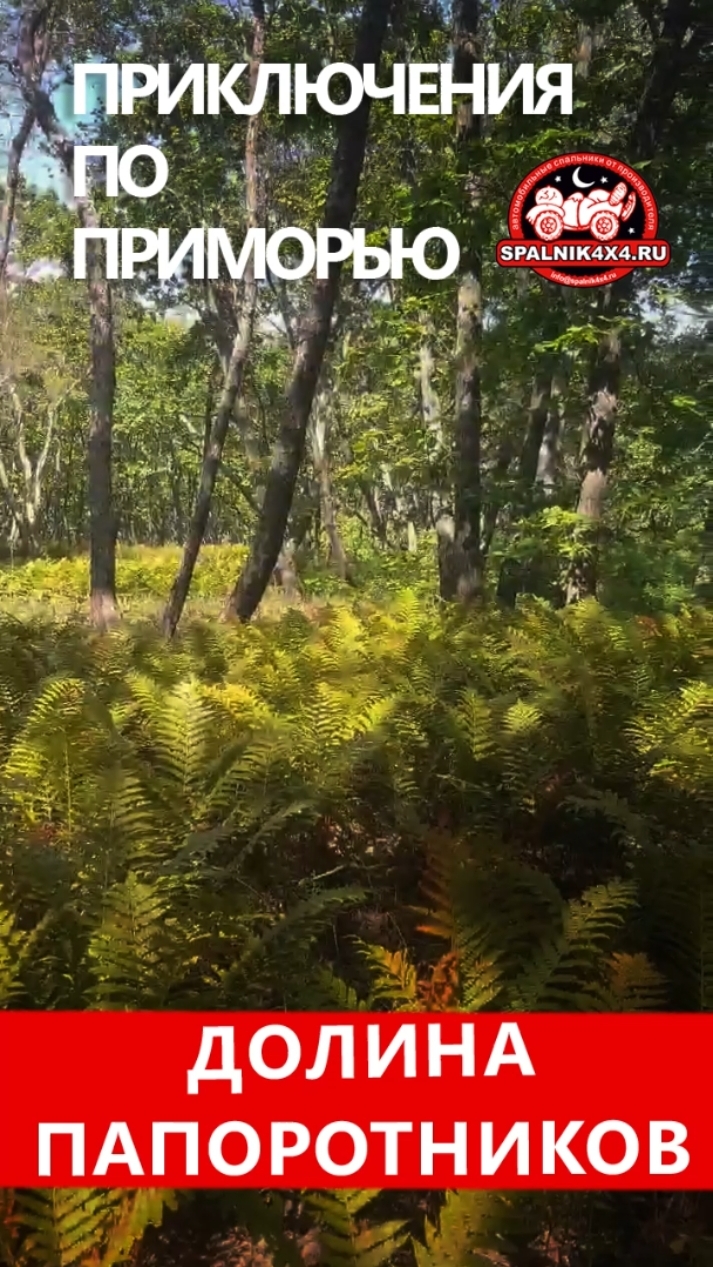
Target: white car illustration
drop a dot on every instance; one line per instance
(600, 212)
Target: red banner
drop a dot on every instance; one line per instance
(355, 1100)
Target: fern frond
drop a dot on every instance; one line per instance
(11, 945)
(393, 976)
(567, 972)
(347, 1236)
(636, 985)
(465, 1226)
(340, 995)
(130, 953)
(63, 1226)
(138, 1211)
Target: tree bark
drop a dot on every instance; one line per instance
(25, 510)
(539, 412)
(32, 54)
(103, 609)
(235, 372)
(460, 549)
(704, 577)
(12, 184)
(313, 337)
(536, 474)
(376, 514)
(320, 460)
(672, 55)
(597, 454)
(428, 397)
(546, 472)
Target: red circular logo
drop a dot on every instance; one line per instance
(583, 220)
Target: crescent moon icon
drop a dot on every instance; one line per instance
(580, 183)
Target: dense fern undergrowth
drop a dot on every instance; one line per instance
(368, 806)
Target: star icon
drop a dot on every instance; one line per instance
(558, 178)
(605, 180)
(631, 230)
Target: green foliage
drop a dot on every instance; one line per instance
(243, 819)
(141, 572)
(10, 956)
(67, 1227)
(466, 1224)
(347, 1236)
(135, 773)
(221, 821)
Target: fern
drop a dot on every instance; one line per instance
(55, 1227)
(636, 984)
(130, 953)
(137, 1211)
(215, 824)
(11, 942)
(63, 1227)
(394, 978)
(466, 1224)
(567, 972)
(347, 1236)
(338, 994)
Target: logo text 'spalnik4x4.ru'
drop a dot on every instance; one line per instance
(583, 220)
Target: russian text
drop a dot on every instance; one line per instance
(339, 89)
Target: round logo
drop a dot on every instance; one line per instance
(583, 220)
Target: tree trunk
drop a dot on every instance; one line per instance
(12, 183)
(103, 609)
(546, 473)
(672, 55)
(320, 460)
(513, 572)
(704, 577)
(376, 514)
(314, 335)
(428, 397)
(460, 550)
(597, 454)
(235, 372)
(539, 412)
(32, 54)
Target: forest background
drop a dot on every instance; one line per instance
(462, 757)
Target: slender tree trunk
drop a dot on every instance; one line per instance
(376, 515)
(460, 550)
(546, 473)
(680, 38)
(314, 335)
(597, 455)
(583, 51)
(538, 414)
(537, 475)
(684, 32)
(320, 460)
(704, 578)
(235, 372)
(428, 397)
(32, 53)
(438, 512)
(17, 529)
(513, 571)
(103, 608)
(12, 184)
